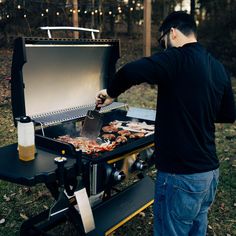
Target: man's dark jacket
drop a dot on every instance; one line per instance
(194, 92)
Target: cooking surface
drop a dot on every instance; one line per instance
(73, 128)
(113, 135)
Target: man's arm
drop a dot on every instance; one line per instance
(133, 73)
(153, 70)
(227, 113)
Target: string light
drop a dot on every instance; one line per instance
(120, 10)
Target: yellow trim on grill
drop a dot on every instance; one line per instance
(128, 218)
(130, 153)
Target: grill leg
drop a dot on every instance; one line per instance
(75, 219)
(39, 225)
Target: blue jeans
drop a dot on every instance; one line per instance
(182, 202)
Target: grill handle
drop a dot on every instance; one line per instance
(48, 28)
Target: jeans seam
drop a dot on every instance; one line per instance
(197, 192)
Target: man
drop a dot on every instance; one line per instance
(194, 92)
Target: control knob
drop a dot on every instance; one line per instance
(118, 175)
(139, 165)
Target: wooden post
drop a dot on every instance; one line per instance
(75, 18)
(100, 23)
(92, 19)
(147, 28)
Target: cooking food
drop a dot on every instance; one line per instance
(114, 134)
(109, 129)
(116, 123)
(121, 139)
(137, 135)
(140, 126)
(109, 136)
(124, 132)
(86, 145)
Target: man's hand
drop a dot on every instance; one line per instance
(103, 99)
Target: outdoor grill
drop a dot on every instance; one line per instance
(54, 81)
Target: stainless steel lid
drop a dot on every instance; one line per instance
(51, 75)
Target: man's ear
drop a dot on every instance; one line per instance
(173, 33)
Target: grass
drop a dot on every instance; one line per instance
(17, 202)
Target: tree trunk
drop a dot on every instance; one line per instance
(92, 16)
(100, 22)
(192, 8)
(129, 20)
(112, 24)
(75, 18)
(147, 28)
(166, 6)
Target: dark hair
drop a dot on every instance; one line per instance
(180, 20)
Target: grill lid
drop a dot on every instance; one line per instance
(51, 76)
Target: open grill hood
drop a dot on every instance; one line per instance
(52, 77)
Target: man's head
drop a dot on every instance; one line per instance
(177, 29)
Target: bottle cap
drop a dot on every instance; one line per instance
(60, 159)
(25, 119)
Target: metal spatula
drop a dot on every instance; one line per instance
(92, 123)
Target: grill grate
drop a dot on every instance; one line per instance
(60, 116)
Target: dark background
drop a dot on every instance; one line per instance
(123, 18)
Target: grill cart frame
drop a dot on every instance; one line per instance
(96, 64)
